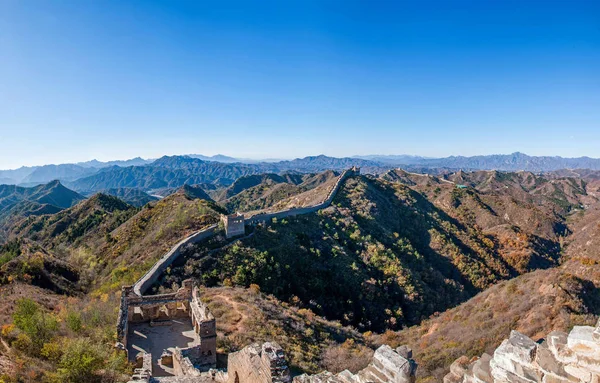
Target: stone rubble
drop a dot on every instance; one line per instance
(388, 366)
(560, 358)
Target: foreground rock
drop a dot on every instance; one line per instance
(560, 358)
(388, 365)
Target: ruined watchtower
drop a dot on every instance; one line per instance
(234, 224)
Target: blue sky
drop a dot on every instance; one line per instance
(85, 79)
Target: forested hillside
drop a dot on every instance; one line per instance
(386, 255)
(398, 258)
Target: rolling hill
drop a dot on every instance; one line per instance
(405, 252)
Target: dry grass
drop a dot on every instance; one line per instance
(245, 316)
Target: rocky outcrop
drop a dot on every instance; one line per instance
(560, 358)
(388, 366)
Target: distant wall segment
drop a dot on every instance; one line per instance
(309, 209)
(144, 283)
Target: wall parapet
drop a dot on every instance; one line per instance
(151, 276)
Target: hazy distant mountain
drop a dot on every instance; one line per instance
(15, 176)
(34, 175)
(64, 172)
(217, 158)
(402, 159)
(514, 162)
(137, 161)
(175, 171)
(507, 162)
(322, 163)
(166, 172)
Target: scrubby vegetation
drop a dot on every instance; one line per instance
(72, 344)
(379, 266)
(384, 257)
(312, 343)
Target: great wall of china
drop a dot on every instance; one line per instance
(560, 358)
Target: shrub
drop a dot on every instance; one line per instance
(40, 327)
(52, 351)
(24, 343)
(254, 288)
(74, 321)
(81, 358)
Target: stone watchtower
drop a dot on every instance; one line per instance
(235, 225)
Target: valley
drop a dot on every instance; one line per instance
(398, 258)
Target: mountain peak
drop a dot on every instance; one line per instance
(194, 192)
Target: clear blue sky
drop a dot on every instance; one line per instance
(104, 79)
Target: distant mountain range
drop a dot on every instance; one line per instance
(42, 199)
(175, 171)
(508, 162)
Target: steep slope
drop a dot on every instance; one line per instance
(533, 304)
(113, 242)
(26, 262)
(53, 193)
(83, 223)
(17, 203)
(258, 192)
(272, 192)
(382, 257)
(89, 252)
(245, 316)
(247, 182)
(194, 192)
(132, 196)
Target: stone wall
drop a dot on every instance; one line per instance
(205, 325)
(560, 358)
(185, 303)
(234, 225)
(135, 308)
(143, 373)
(258, 364)
(146, 281)
(265, 217)
(265, 360)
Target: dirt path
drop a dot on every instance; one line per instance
(236, 306)
(6, 346)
